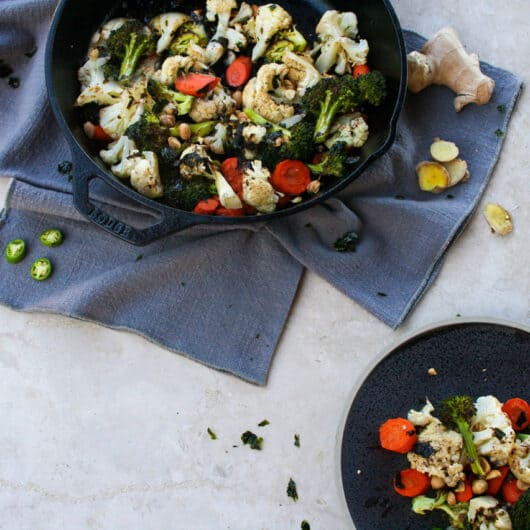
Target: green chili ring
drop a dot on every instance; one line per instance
(15, 251)
(41, 269)
(52, 237)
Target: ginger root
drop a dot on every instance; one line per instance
(498, 218)
(432, 176)
(457, 170)
(444, 61)
(443, 151)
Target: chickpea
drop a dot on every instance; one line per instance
(166, 120)
(184, 131)
(313, 186)
(479, 486)
(451, 498)
(437, 483)
(174, 143)
(237, 96)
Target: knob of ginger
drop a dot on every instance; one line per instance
(444, 61)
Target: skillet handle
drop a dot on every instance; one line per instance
(171, 221)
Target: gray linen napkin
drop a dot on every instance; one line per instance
(222, 296)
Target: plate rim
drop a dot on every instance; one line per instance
(383, 354)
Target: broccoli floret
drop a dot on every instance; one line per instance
(147, 133)
(456, 413)
(198, 130)
(189, 33)
(332, 96)
(333, 162)
(129, 43)
(185, 195)
(521, 512)
(457, 513)
(161, 92)
(273, 127)
(291, 40)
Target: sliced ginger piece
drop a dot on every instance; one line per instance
(457, 170)
(443, 151)
(432, 176)
(498, 218)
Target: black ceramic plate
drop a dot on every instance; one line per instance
(471, 358)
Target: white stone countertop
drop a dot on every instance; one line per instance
(103, 430)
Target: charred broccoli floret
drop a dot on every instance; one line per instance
(291, 40)
(128, 44)
(333, 96)
(161, 93)
(521, 512)
(185, 195)
(189, 33)
(457, 512)
(456, 413)
(147, 133)
(333, 162)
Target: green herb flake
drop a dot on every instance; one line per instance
(213, 436)
(255, 442)
(5, 69)
(65, 167)
(13, 82)
(297, 440)
(450, 196)
(501, 108)
(347, 243)
(399, 197)
(264, 423)
(499, 133)
(272, 7)
(139, 257)
(32, 52)
(305, 526)
(291, 490)
(382, 294)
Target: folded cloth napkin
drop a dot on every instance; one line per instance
(222, 296)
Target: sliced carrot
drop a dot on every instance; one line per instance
(519, 412)
(207, 207)
(467, 494)
(398, 435)
(239, 71)
(291, 177)
(197, 85)
(410, 483)
(511, 492)
(233, 173)
(227, 212)
(360, 69)
(96, 132)
(317, 158)
(494, 484)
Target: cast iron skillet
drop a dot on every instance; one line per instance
(74, 23)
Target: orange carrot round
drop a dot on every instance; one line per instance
(410, 483)
(233, 174)
(398, 435)
(227, 212)
(467, 494)
(291, 177)
(494, 484)
(519, 412)
(360, 69)
(511, 492)
(207, 207)
(239, 71)
(197, 85)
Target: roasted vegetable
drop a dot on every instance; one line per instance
(147, 133)
(160, 93)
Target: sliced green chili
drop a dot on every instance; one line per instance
(41, 269)
(15, 250)
(52, 237)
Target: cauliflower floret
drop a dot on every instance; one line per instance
(115, 118)
(484, 514)
(271, 19)
(422, 417)
(257, 94)
(519, 460)
(195, 162)
(337, 46)
(234, 38)
(166, 25)
(145, 176)
(216, 104)
(441, 453)
(301, 72)
(254, 134)
(492, 430)
(217, 141)
(244, 14)
(351, 129)
(94, 87)
(172, 67)
(103, 33)
(119, 155)
(257, 190)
